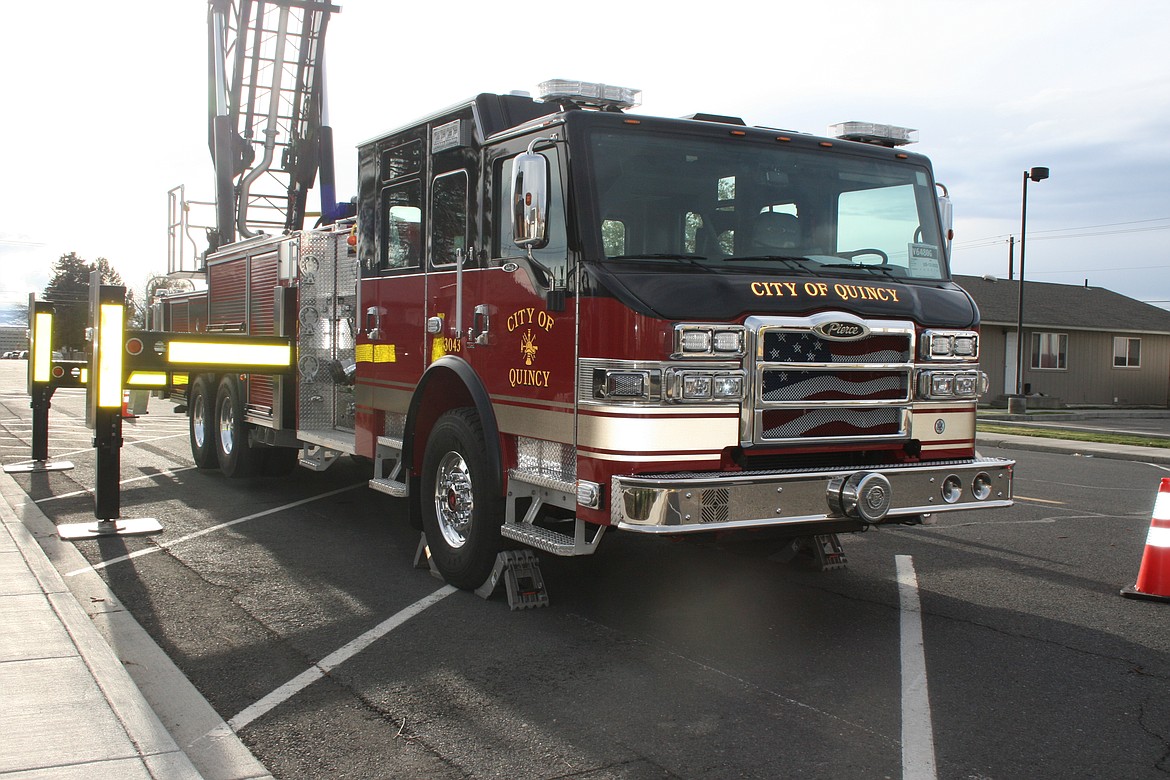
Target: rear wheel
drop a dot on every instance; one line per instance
(461, 514)
(236, 456)
(200, 417)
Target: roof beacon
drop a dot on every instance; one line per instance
(587, 94)
(870, 133)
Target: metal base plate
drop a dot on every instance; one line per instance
(38, 467)
(139, 526)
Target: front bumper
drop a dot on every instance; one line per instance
(714, 501)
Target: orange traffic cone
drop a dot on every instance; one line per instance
(1153, 580)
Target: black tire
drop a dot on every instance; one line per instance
(201, 423)
(236, 455)
(461, 514)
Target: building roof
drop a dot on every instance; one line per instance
(1068, 306)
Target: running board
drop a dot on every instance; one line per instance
(388, 457)
(390, 487)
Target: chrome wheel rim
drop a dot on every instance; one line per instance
(199, 420)
(454, 503)
(226, 424)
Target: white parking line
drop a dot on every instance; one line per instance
(205, 531)
(917, 732)
(88, 491)
(333, 660)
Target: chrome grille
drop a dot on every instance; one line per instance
(809, 388)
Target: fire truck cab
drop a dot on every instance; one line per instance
(571, 318)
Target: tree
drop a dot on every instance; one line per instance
(68, 291)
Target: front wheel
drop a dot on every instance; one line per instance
(461, 513)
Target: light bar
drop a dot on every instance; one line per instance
(871, 133)
(590, 94)
(226, 353)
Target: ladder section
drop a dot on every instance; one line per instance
(267, 63)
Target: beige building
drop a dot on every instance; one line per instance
(1082, 345)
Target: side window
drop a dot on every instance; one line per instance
(613, 236)
(401, 226)
(448, 217)
(1050, 350)
(1127, 352)
(555, 255)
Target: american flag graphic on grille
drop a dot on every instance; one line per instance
(815, 423)
(801, 367)
(791, 385)
(783, 346)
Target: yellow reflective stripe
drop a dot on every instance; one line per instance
(364, 353)
(109, 379)
(226, 353)
(147, 379)
(42, 346)
(384, 353)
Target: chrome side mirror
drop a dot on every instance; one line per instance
(530, 201)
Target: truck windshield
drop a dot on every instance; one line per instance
(721, 204)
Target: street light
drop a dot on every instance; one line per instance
(1036, 174)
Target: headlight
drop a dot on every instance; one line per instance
(728, 387)
(697, 341)
(694, 385)
(950, 345)
(951, 385)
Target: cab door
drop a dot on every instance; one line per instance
(519, 313)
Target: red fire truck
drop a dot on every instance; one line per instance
(552, 317)
(547, 317)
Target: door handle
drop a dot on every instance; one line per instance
(480, 331)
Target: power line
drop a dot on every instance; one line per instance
(1038, 235)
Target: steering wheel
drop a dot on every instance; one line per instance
(858, 252)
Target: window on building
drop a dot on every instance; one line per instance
(1127, 352)
(1050, 350)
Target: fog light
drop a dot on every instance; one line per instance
(952, 489)
(981, 486)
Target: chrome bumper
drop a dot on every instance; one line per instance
(712, 501)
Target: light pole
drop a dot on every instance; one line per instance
(1036, 174)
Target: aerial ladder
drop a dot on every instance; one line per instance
(268, 125)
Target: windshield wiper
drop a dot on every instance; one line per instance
(877, 269)
(793, 262)
(658, 256)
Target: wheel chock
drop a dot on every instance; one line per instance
(422, 557)
(520, 571)
(828, 551)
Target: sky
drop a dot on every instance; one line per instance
(105, 108)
